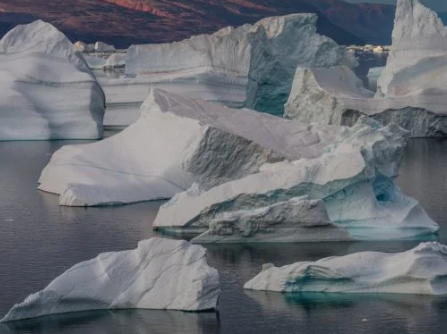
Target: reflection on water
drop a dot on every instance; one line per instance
(119, 322)
(39, 240)
(366, 313)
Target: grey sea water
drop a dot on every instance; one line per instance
(39, 240)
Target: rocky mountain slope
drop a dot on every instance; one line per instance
(122, 22)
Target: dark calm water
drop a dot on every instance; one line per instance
(39, 240)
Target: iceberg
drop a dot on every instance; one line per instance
(323, 95)
(419, 38)
(47, 90)
(336, 96)
(294, 220)
(278, 47)
(373, 76)
(410, 90)
(250, 66)
(95, 63)
(103, 47)
(116, 60)
(421, 270)
(83, 47)
(177, 141)
(158, 274)
(354, 178)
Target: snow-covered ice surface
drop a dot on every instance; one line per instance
(421, 270)
(353, 178)
(47, 90)
(410, 91)
(176, 142)
(251, 66)
(158, 274)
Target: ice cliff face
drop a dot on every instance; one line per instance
(353, 178)
(421, 270)
(158, 274)
(319, 95)
(278, 46)
(47, 90)
(201, 142)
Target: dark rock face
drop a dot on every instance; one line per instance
(123, 22)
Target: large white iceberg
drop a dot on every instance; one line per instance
(176, 142)
(353, 178)
(410, 91)
(47, 90)
(421, 270)
(251, 66)
(158, 274)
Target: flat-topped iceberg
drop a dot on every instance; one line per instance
(158, 274)
(410, 90)
(251, 65)
(47, 90)
(353, 178)
(421, 270)
(176, 142)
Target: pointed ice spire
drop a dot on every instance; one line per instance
(418, 34)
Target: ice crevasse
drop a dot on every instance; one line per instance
(159, 274)
(47, 90)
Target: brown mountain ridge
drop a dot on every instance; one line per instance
(123, 22)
